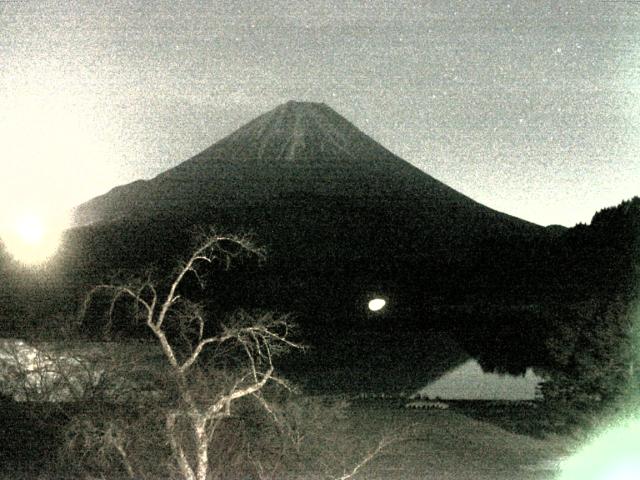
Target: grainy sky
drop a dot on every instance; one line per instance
(532, 108)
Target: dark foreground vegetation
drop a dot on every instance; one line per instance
(209, 405)
(489, 437)
(564, 305)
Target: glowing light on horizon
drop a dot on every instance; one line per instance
(377, 304)
(30, 238)
(31, 229)
(57, 150)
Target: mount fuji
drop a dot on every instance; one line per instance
(342, 219)
(309, 183)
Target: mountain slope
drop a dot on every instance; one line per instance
(297, 148)
(302, 175)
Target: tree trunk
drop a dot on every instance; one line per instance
(202, 446)
(178, 452)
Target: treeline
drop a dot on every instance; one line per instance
(593, 348)
(569, 306)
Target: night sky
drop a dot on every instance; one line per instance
(532, 108)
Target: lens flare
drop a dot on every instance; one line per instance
(613, 455)
(30, 229)
(31, 238)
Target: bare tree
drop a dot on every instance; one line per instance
(254, 338)
(211, 377)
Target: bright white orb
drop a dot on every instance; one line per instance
(377, 304)
(30, 238)
(30, 229)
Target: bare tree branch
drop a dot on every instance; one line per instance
(260, 337)
(383, 444)
(198, 350)
(224, 403)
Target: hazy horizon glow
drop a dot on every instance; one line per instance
(55, 157)
(30, 238)
(54, 151)
(530, 109)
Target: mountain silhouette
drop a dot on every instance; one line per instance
(296, 148)
(342, 219)
(305, 172)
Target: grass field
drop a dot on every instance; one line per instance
(436, 444)
(447, 444)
